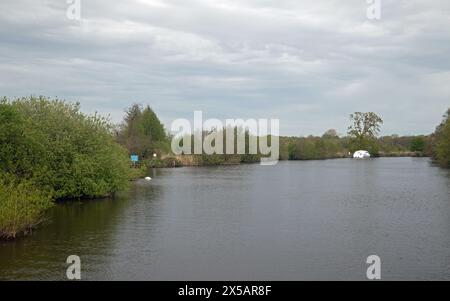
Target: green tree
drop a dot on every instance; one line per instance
(417, 144)
(292, 149)
(142, 132)
(364, 130)
(441, 149)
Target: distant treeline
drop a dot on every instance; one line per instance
(142, 133)
(440, 142)
(328, 147)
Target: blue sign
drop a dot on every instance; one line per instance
(134, 158)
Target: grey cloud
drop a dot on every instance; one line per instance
(309, 63)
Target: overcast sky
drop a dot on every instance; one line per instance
(308, 63)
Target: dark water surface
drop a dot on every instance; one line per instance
(309, 220)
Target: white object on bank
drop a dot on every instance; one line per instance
(148, 178)
(361, 154)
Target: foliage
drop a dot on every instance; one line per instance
(142, 133)
(235, 157)
(22, 206)
(249, 158)
(311, 148)
(165, 162)
(441, 147)
(325, 147)
(364, 124)
(214, 159)
(138, 172)
(417, 144)
(364, 130)
(54, 145)
(50, 150)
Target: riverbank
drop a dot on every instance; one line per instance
(23, 205)
(50, 150)
(169, 161)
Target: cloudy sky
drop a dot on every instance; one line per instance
(308, 63)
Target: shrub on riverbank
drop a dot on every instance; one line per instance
(313, 148)
(138, 172)
(21, 207)
(164, 162)
(441, 139)
(328, 147)
(52, 146)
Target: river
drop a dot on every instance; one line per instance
(297, 220)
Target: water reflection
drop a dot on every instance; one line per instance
(85, 228)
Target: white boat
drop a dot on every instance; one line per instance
(361, 154)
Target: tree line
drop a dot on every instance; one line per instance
(440, 142)
(362, 134)
(142, 133)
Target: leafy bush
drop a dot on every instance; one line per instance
(21, 207)
(50, 150)
(249, 158)
(56, 147)
(441, 151)
(165, 162)
(417, 144)
(138, 172)
(311, 148)
(214, 159)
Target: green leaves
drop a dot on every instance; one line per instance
(142, 133)
(53, 145)
(417, 144)
(22, 206)
(364, 130)
(441, 152)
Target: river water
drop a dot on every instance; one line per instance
(304, 220)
